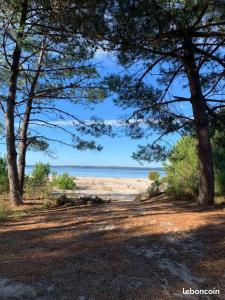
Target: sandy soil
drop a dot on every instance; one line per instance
(122, 250)
(113, 188)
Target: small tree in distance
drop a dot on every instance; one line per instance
(182, 168)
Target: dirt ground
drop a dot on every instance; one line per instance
(123, 250)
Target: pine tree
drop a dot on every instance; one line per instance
(174, 42)
(48, 65)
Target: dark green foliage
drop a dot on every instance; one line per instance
(63, 181)
(151, 38)
(154, 189)
(182, 168)
(37, 145)
(4, 182)
(218, 144)
(66, 72)
(41, 171)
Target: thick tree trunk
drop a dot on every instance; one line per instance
(9, 115)
(22, 153)
(12, 156)
(206, 185)
(25, 124)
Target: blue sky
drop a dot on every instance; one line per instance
(116, 152)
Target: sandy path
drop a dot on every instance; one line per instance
(123, 250)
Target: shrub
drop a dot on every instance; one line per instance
(154, 189)
(41, 171)
(36, 188)
(153, 175)
(63, 181)
(182, 168)
(4, 181)
(38, 183)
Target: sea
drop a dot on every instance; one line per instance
(100, 171)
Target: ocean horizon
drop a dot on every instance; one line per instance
(102, 171)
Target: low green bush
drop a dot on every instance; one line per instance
(36, 188)
(63, 181)
(41, 171)
(154, 189)
(37, 184)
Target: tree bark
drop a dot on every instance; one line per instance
(25, 124)
(206, 185)
(9, 114)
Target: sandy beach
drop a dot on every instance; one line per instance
(111, 188)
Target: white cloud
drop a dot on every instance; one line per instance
(100, 53)
(69, 123)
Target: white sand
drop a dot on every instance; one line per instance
(113, 188)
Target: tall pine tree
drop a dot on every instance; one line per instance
(176, 43)
(48, 65)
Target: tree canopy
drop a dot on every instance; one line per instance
(170, 43)
(45, 65)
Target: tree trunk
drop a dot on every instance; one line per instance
(9, 115)
(12, 156)
(25, 124)
(22, 152)
(206, 185)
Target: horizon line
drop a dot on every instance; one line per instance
(97, 166)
